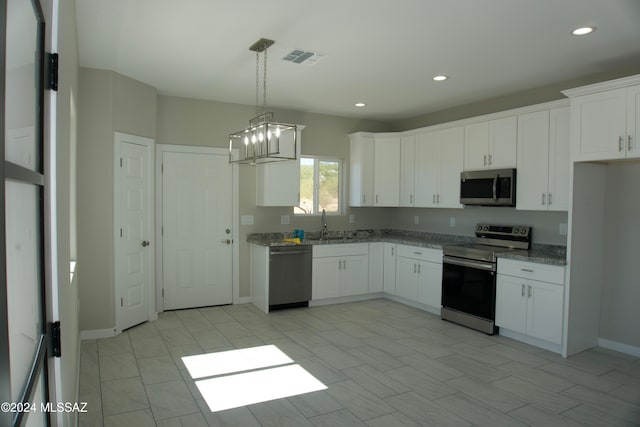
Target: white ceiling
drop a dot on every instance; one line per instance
(381, 52)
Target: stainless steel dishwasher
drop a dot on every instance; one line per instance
(289, 276)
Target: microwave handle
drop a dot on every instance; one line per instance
(495, 187)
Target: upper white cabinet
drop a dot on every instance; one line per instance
(361, 161)
(407, 170)
(438, 163)
(605, 120)
(386, 172)
(278, 183)
(491, 144)
(543, 160)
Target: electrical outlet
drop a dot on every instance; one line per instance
(562, 229)
(284, 219)
(416, 219)
(352, 219)
(452, 222)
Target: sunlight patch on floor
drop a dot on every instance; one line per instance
(247, 376)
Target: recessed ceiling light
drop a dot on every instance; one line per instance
(440, 78)
(583, 31)
(360, 104)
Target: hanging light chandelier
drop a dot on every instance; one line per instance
(264, 140)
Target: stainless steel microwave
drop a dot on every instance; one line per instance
(495, 187)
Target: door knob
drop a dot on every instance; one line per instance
(227, 241)
(145, 243)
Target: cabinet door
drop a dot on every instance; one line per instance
(326, 277)
(390, 268)
(451, 158)
(376, 267)
(407, 278)
(544, 313)
(476, 146)
(598, 125)
(354, 275)
(407, 170)
(430, 283)
(503, 134)
(533, 161)
(633, 122)
(361, 170)
(559, 159)
(427, 169)
(387, 171)
(511, 303)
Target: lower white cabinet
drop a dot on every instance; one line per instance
(419, 275)
(376, 267)
(340, 270)
(389, 282)
(530, 299)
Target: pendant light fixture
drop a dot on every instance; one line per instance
(264, 140)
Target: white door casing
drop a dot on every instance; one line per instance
(197, 224)
(133, 219)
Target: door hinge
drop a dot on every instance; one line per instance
(53, 71)
(162, 230)
(56, 344)
(162, 292)
(121, 302)
(120, 161)
(121, 232)
(161, 167)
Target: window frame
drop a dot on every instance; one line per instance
(316, 190)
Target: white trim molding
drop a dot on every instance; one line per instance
(620, 347)
(94, 334)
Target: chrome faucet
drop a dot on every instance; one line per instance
(323, 225)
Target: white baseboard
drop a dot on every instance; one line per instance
(98, 333)
(242, 300)
(342, 300)
(618, 346)
(555, 348)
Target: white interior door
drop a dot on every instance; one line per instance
(133, 229)
(197, 208)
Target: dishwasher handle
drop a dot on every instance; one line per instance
(288, 252)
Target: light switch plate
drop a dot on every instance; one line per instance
(352, 219)
(562, 229)
(284, 219)
(452, 221)
(416, 219)
(246, 220)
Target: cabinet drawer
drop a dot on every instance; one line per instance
(340, 249)
(422, 254)
(532, 270)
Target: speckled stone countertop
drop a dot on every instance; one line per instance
(545, 254)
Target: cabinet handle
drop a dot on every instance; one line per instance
(489, 159)
(529, 291)
(364, 198)
(339, 264)
(344, 264)
(415, 268)
(549, 199)
(438, 198)
(419, 268)
(434, 199)
(376, 198)
(543, 198)
(523, 286)
(393, 251)
(629, 142)
(411, 198)
(485, 160)
(528, 270)
(620, 147)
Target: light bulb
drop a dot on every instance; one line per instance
(246, 140)
(277, 132)
(260, 137)
(253, 138)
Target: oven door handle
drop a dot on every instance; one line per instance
(469, 263)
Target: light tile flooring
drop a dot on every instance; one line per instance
(385, 364)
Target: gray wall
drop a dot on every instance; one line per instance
(204, 123)
(108, 102)
(545, 224)
(619, 314)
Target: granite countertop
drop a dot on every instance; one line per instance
(544, 254)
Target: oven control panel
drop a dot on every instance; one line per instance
(519, 232)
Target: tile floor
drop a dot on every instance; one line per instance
(385, 364)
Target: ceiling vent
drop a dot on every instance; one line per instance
(298, 56)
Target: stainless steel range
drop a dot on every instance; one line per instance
(469, 275)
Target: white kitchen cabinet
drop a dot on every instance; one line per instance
(491, 144)
(386, 173)
(278, 183)
(438, 163)
(376, 267)
(389, 285)
(419, 275)
(544, 160)
(407, 170)
(361, 161)
(340, 270)
(605, 120)
(530, 299)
